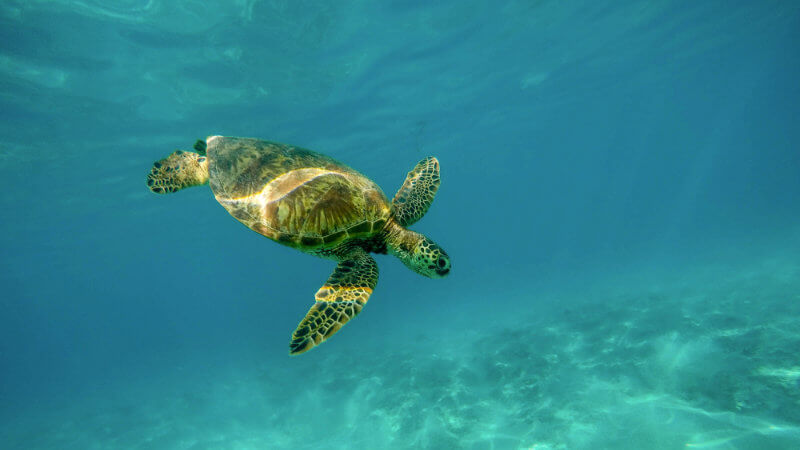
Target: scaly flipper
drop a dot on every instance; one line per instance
(338, 300)
(416, 195)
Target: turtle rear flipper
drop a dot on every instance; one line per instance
(416, 195)
(177, 171)
(338, 300)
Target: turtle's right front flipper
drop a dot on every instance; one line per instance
(338, 300)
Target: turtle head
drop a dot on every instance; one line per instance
(178, 171)
(419, 253)
(429, 259)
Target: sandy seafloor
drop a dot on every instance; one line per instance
(706, 358)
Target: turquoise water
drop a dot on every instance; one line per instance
(620, 185)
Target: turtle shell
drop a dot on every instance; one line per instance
(292, 195)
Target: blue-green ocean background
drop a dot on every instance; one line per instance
(620, 200)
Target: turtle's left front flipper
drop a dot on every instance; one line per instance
(416, 195)
(338, 300)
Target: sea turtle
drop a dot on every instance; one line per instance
(317, 205)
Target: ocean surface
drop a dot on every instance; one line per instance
(620, 199)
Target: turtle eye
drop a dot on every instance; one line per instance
(444, 266)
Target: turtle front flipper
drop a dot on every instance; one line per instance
(416, 195)
(338, 300)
